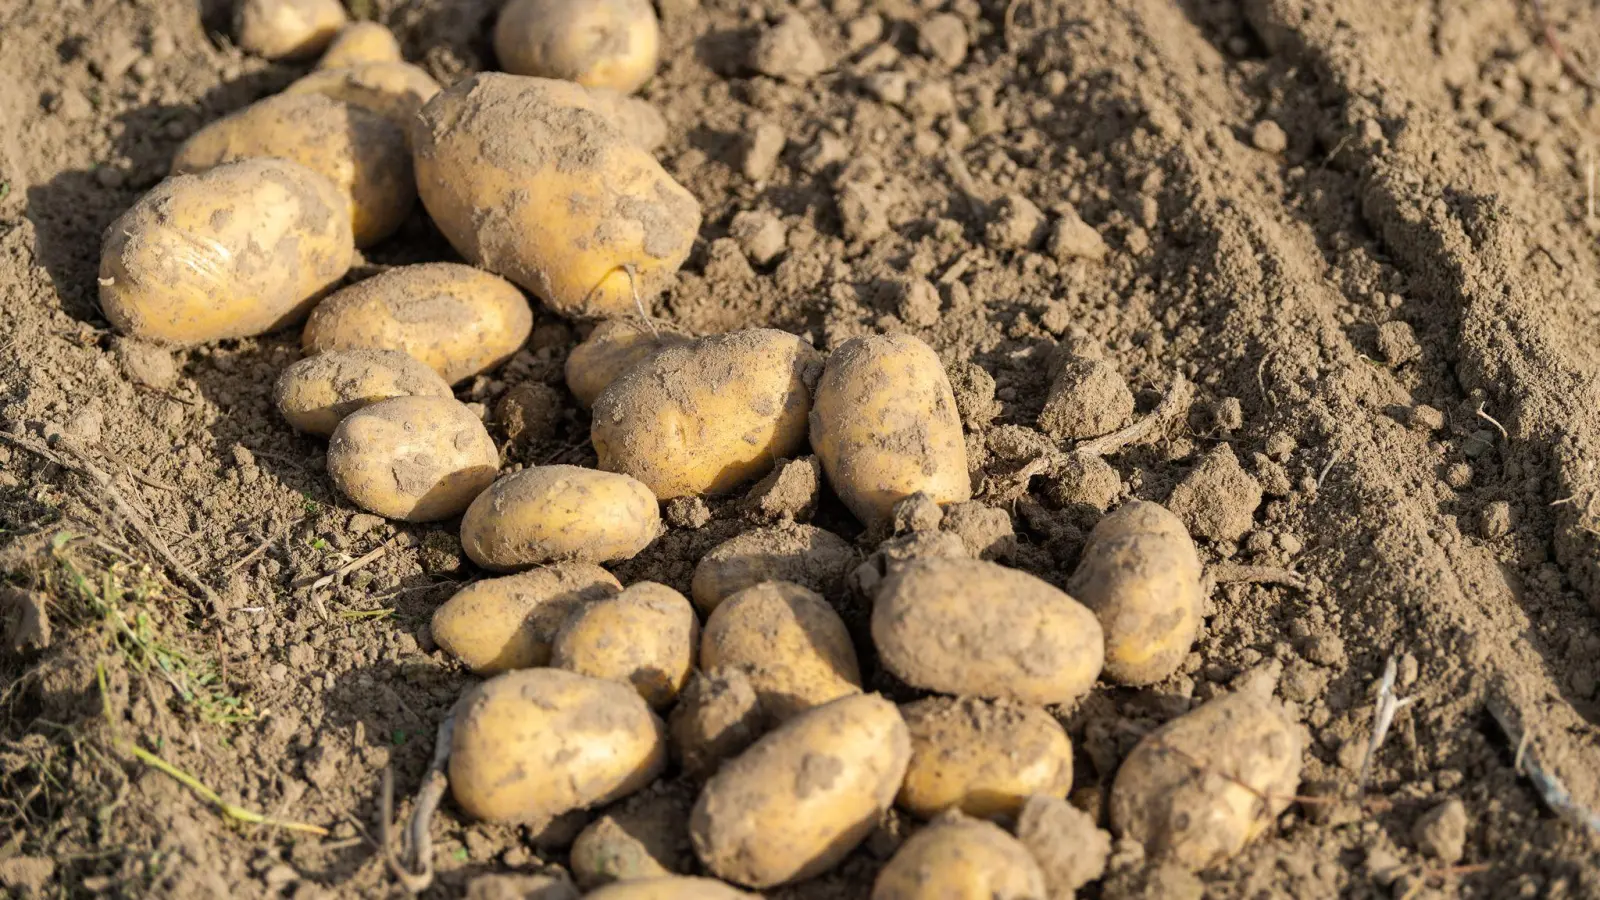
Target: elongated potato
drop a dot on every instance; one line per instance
(957, 858)
(550, 513)
(533, 744)
(789, 641)
(527, 178)
(614, 347)
(360, 151)
(457, 319)
(885, 426)
(315, 394)
(597, 43)
(671, 887)
(964, 626)
(803, 554)
(394, 90)
(360, 42)
(500, 624)
(645, 636)
(1140, 574)
(802, 797)
(982, 758)
(707, 417)
(287, 29)
(241, 250)
(417, 459)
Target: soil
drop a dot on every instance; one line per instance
(1364, 231)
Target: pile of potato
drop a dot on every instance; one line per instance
(753, 690)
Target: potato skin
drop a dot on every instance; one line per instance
(670, 887)
(960, 859)
(645, 636)
(717, 716)
(287, 29)
(614, 347)
(802, 797)
(803, 554)
(394, 90)
(552, 513)
(457, 319)
(707, 417)
(981, 757)
(315, 394)
(241, 250)
(360, 42)
(1140, 574)
(528, 178)
(417, 459)
(961, 626)
(597, 43)
(789, 641)
(500, 624)
(885, 426)
(532, 744)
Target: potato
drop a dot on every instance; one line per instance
(360, 42)
(981, 757)
(528, 178)
(800, 799)
(957, 858)
(457, 319)
(1140, 574)
(1200, 787)
(803, 554)
(394, 90)
(707, 417)
(964, 626)
(550, 513)
(885, 426)
(644, 836)
(417, 459)
(645, 636)
(533, 744)
(500, 624)
(241, 250)
(597, 43)
(789, 641)
(614, 347)
(717, 716)
(287, 29)
(360, 151)
(316, 393)
(671, 887)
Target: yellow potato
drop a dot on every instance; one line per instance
(528, 178)
(885, 426)
(707, 417)
(500, 624)
(614, 347)
(717, 716)
(417, 459)
(957, 858)
(394, 90)
(287, 29)
(360, 151)
(801, 798)
(983, 758)
(316, 393)
(597, 43)
(789, 641)
(550, 513)
(533, 744)
(808, 556)
(241, 250)
(360, 42)
(964, 626)
(670, 887)
(645, 636)
(459, 320)
(1140, 574)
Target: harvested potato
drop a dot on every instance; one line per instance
(645, 636)
(614, 347)
(316, 393)
(1140, 574)
(644, 836)
(803, 554)
(500, 624)
(800, 799)
(527, 177)
(394, 90)
(983, 758)
(533, 744)
(789, 641)
(671, 887)
(972, 627)
(707, 417)
(885, 425)
(360, 151)
(1065, 841)
(1200, 787)
(550, 513)
(717, 716)
(287, 29)
(417, 459)
(957, 858)
(360, 42)
(597, 43)
(457, 319)
(241, 250)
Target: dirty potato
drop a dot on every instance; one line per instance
(645, 636)
(983, 758)
(315, 394)
(614, 347)
(360, 42)
(669, 887)
(500, 624)
(394, 90)
(550, 513)
(802, 554)
(287, 29)
(417, 459)
(789, 641)
(957, 858)
(597, 43)
(717, 716)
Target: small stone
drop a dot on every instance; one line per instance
(862, 212)
(84, 426)
(1325, 649)
(888, 87)
(1055, 82)
(1017, 224)
(277, 672)
(931, 99)
(918, 512)
(24, 622)
(440, 553)
(1085, 481)
(862, 31)
(1290, 544)
(943, 38)
(1280, 446)
(1477, 443)
(1398, 343)
(281, 874)
(974, 389)
(1064, 841)
(1442, 832)
(986, 531)
(1268, 137)
(790, 491)
(789, 50)
(760, 234)
(762, 147)
(108, 177)
(826, 150)
(145, 364)
(1087, 399)
(687, 512)
(1072, 238)
(1218, 499)
(1458, 475)
(1495, 520)
(529, 412)
(919, 303)
(497, 886)
(362, 523)
(1229, 414)
(1425, 418)
(1383, 866)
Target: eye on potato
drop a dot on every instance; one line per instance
(417, 459)
(394, 90)
(614, 347)
(315, 394)
(982, 758)
(500, 624)
(957, 858)
(672, 887)
(550, 513)
(241, 250)
(597, 43)
(717, 716)
(802, 554)
(287, 29)
(360, 42)
(645, 636)
(789, 641)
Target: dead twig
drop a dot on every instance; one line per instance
(1328, 467)
(338, 574)
(1550, 788)
(1388, 705)
(1171, 406)
(1238, 573)
(638, 302)
(261, 548)
(1493, 421)
(427, 802)
(1558, 49)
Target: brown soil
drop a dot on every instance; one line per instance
(1386, 300)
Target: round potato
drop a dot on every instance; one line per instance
(533, 744)
(789, 641)
(550, 513)
(394, 90)
(528, 178)
(597, 43)
(885, 426)
(964, 626)
(982, 758)
(287, 29)
(360, 151)
(671, 887)
(417, 459)
(614, 347)
(315, 394)
(957, 858)
(707, 417)
(457, 319)
(645, 636)
(1140, 574)
(360, 42)
(717, 716)
(241, 250)
(802, 554)
(500, 624)
(802, 797)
